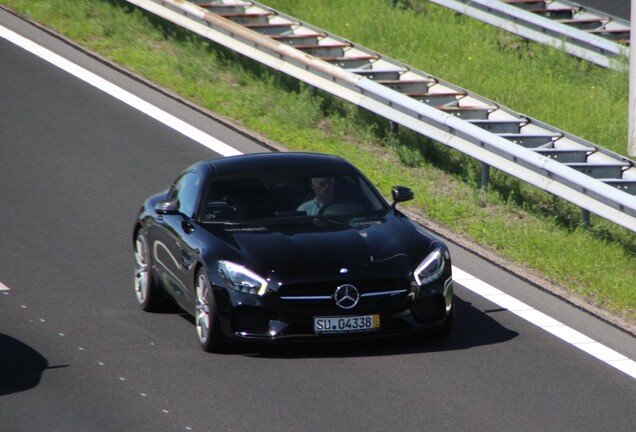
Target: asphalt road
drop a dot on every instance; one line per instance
(77, 354)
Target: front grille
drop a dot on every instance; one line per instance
(377, 296)
(329, 287)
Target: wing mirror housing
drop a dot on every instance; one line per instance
(167, 207)
(401, 194)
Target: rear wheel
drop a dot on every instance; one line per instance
(149, 295)
(207, 321)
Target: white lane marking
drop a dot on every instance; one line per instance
(3, 287)
(547, 323)
(479, 287)
(119, 93)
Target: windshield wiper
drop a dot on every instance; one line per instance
(223, 222)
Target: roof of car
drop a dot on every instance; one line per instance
(276, 162)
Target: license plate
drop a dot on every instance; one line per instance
(346, 324)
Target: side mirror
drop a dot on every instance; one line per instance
(168, 207)
(401, 194)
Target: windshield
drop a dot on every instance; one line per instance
(273, 197)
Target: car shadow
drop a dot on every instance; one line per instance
(472, 328)
(21, 366)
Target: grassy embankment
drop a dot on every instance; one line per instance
(514, 220)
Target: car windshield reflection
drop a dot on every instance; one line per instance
(290, 197)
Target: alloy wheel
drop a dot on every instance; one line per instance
(202, 308)
(141, 269)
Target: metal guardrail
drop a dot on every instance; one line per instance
(580, 31)
(580, 172)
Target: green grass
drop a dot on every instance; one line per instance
(515, 220)
(537, 80)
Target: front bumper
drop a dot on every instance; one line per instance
(271, 319)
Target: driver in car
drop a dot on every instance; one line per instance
(323, 193)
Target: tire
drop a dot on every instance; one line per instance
(149, 295)
(206, 317)
(445, 330)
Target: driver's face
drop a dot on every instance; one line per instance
(323, 188)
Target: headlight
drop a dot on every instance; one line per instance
(242, 279)
(431, 268)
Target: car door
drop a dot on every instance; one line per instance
(174, 242)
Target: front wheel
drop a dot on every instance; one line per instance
(446, 329)
(208, 327)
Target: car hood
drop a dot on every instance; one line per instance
(387, 246)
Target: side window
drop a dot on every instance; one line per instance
(186, 190)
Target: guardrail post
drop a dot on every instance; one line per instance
(394, 128)
(485, 175)
(585, 217)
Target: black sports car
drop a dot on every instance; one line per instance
(284, 246)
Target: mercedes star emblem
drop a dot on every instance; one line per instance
(346, 296)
